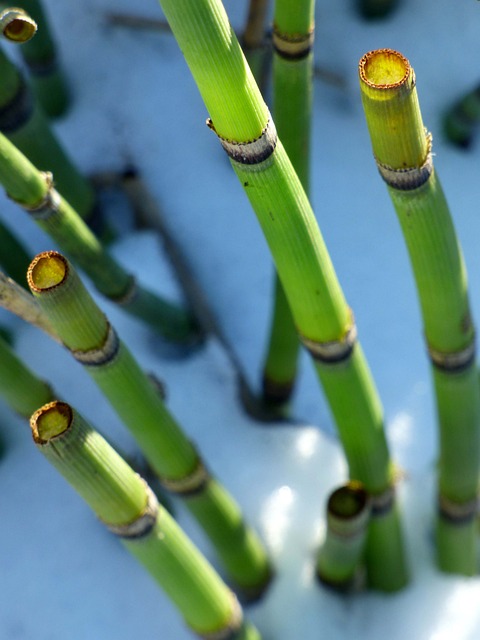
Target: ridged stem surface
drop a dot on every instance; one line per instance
(29, 130)
(317, 302)
(119, 497)
(29, 187)
(292, 99)
(83, 327)
(401, 143)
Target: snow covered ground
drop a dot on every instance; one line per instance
(61, 575)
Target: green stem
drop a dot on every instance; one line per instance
(341, 555)
(23, 122)
(292, 101)
(402, 148)
(242, 122)
(123, 501)
(85, 331)
(41, 57)
(34, 191)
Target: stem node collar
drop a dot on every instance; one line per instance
(292, 46)
(141, 526)
(231, 629)
(453, 362)
(251, 152)
(334, 351)
(100, 356)
(192, 484)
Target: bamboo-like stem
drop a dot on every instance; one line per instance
(14, 257)
(402, 148)
(292, 100)
(34, 191)
(340, 558)
(126, 505)
(16, 25)
(21, 389)
(85, 331)
(324, 320)
(24, 124)
(372, 9)
(461, 118)
(41, 57)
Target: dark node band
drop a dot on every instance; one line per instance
(100, 356)
(410, 178)
(457, 512)
(453, 362)
(251, 152)
(382, 503)
(335, 351)
(141, 526)
(292, 47)
(190, 485)
(49, 204)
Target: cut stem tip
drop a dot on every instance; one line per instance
(16, 25)
(47, 271)
(51, 421)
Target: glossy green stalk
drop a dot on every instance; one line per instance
(125, 504)
(402, 148)
(292, 100)
(85, 331)
(21, 389)
(241, 119)
(462, 117)
(41, 57)
(34, 191)
(341, 556)
(23, 122)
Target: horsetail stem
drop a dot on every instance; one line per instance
(23, 122)
(129, 509)
(341, 556)
(242, 122)
(41, 57)
(292, 99)
(86, 332)
(34, 191)
(402, 149)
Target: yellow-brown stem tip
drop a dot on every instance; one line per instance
(51, 421)
(384, 69)
(47, 271)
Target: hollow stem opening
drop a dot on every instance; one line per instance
(51, 421)
(48, 270)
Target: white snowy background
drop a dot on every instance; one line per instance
(62, 576)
